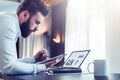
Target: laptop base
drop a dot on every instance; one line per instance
(64, 70)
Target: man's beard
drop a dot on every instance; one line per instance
(25, 28)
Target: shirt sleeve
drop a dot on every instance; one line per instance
(28, 60)
(8, 54)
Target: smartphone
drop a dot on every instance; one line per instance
(50, 59)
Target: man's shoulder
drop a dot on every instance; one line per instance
(8, 18)
(9, 21)
(8, 15)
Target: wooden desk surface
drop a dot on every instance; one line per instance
(70, 76)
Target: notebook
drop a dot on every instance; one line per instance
(72, 63)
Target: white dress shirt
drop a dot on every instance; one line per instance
(9, 33)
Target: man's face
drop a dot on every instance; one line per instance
(31, 25)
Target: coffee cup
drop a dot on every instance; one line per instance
(100, 67)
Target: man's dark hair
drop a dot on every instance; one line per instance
(33, 6)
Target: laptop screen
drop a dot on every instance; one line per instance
(76, 58)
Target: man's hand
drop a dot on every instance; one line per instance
(41, 55)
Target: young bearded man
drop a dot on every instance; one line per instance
(29, 15)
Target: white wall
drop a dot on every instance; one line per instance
(113, 35)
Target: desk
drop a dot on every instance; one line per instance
(45, 76)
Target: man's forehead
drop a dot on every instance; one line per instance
(39, 16)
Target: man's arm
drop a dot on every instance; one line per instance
(8, 55)
(28, 60)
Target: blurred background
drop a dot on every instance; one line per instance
(76, 25)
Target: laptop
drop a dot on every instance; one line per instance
(72, 63)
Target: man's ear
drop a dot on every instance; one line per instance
(25, 15)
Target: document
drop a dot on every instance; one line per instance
(50, 59)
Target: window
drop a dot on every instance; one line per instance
(85, 28)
